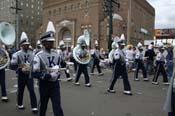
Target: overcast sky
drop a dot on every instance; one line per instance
(165, 13)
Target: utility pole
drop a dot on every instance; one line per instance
(17, 23)
(109, 9)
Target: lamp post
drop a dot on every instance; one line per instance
(17, 23)
(109, 10)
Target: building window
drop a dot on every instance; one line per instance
(71, 7)
(78, 5)
(59, 10)
(54, 12)
(65, 8)
(50, 13)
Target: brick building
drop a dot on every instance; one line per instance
(71, 17)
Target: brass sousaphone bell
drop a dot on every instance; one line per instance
(86, 59)
(7, 37)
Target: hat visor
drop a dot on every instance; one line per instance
(122, 44)
(25, 43)
(49, 39)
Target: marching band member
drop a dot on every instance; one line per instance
(111, 54)
(72, 59)
(64, 57)
(23, 59)
(38, 47)
(139, 63)
(4, 97)
(120, 69)
(49, 86)
(82, 68)
(96, 60)
(160, 63)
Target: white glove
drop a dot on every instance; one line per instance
(24, 69)
(54, 75)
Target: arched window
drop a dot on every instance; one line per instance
(66, 34)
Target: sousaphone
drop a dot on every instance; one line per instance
(7, 37)
(86, 59)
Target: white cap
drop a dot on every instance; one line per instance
(24, 39)
(96, 43)
(61, 44)
(121, 41)
(49, 34)
(38, 42)
(50, 27)
(139, 44)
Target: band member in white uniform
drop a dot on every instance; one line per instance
(139, 63)
(46, 70)
(23, 59)
(160, 66)
(38, 47)
(82, 68)
(120, 69)
(64, 57)
(4, 97)
(96, 60)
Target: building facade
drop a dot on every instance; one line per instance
(7, 14)
(30, 18)
(72, 17)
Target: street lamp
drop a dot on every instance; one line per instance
(108, 4)
(17, 23)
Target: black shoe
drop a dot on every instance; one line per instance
(77, 83)
(88, 85)
(69, 79)
(127, 93)
(111, 91)
(100, 74)
(35, 110)
(4, 99)
(20, 107)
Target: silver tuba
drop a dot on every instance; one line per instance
(86, 59)
(7, 37)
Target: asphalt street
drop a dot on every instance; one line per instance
(147, 99)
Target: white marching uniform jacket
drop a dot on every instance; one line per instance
(96, 54)
(44, 60)
(139, 56)
(22, 57)
(119, 55)
(160, 58)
